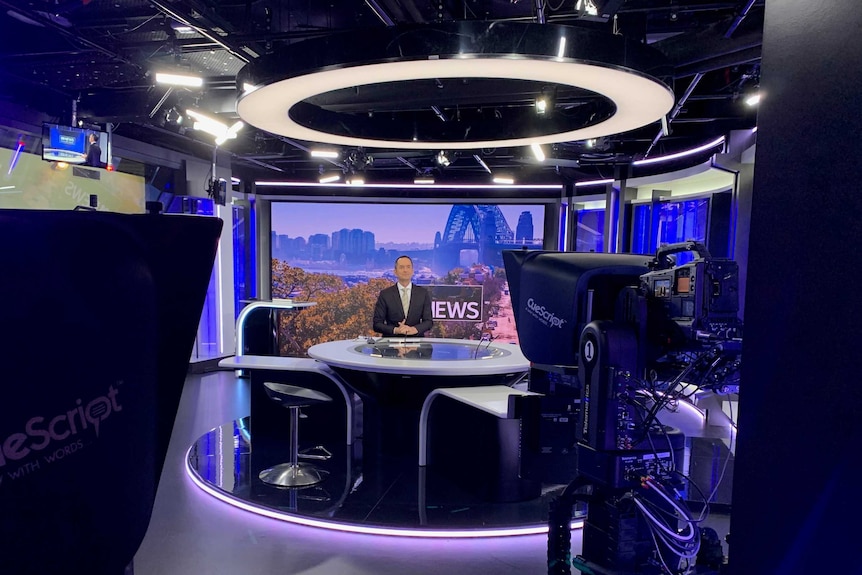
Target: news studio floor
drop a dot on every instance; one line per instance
(191, 532)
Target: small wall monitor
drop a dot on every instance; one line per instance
(64, 144)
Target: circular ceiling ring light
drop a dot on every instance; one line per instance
(456, 85)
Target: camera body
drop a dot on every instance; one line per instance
(693, 302)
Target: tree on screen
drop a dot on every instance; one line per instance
(345, 314)
(299, 285)
(296, 283)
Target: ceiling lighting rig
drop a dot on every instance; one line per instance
(221, 131)
(442, 86)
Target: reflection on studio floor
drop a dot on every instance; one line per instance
(386, 491)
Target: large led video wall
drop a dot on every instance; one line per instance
(340, 255)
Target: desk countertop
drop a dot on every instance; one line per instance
(273, 362)
(498, 358)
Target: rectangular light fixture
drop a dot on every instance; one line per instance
(214, 127)
(356, 181)
(206, 123)
(229, 134)
(179, 80)
(541, 105)
(538, 152)
(329, 178)
(593, 183)
(324, 153)
(426, 180)
(505, 180)
(753, 100)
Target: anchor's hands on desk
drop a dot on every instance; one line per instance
(404, 308)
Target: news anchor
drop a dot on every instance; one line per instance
(403, 308)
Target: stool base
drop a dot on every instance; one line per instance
(291, 475)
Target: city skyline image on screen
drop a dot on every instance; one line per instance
(341, 255)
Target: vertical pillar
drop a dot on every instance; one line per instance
(611, 201)
(798, 470)
(264, 242)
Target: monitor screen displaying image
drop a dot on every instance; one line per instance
(341, 255)
(70, 144)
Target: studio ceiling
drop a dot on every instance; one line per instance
(97, 59)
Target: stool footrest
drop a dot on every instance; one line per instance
(317, 452)
(292, 475)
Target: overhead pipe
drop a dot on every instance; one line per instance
(162, 6)
(676, 110)
(380, 12)
(410, 164)
(63, 31)
(482, 163)
(299, 146)
(739, 18)
(439, 113)
(256, 162)
(161, 102)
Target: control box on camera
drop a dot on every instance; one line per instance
(695, 300)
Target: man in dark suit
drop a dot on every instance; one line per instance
(404, 308)
(94, 152)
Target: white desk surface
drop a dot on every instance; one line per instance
(273, 362)
(341, 354)
(493, 399)
(279, 303)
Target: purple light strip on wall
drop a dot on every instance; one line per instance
(678, 155)
(593, 183)
(279, 184)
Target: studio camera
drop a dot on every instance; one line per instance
(626, 336)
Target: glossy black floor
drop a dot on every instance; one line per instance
(193, 532)
(389, 492)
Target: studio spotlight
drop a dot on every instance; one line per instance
(545, 103)
(329, 178)
(541, 105)
(173, 116)
(538, 152)
(229, 134)
(442, 158)
(179, 80)
(321, 153)
(753, 99)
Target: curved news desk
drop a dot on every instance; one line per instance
(394, 376)
(379, 493)
(365, 489)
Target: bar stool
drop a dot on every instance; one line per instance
(293, 473)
